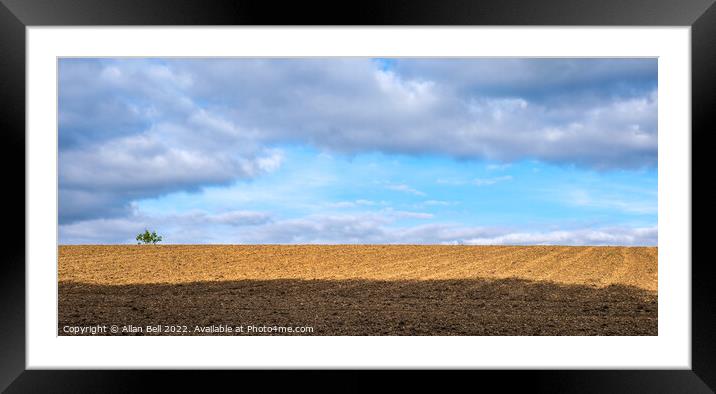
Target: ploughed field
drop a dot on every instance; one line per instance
(359, 289)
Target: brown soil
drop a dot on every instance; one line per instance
(363, 289)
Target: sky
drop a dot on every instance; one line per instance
(358, 150)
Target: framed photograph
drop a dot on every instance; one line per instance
(464, 185)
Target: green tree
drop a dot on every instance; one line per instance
(148, 238)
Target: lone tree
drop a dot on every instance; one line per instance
(148, 238)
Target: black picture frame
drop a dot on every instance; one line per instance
(16, 15)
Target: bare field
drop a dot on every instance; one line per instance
(364, 289)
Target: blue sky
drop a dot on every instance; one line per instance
(357, 150)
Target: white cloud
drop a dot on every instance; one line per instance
(408, 214)
(602, 236)
(498, 167)
(401, 187)
(356, 203)
(642, 203)
(342, 204)
(438, 203)
(491, 181)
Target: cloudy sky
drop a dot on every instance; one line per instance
(359, 150)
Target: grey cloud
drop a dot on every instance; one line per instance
(189, 227)
(327, 230)
(322, 229)
(76, 205)
(139, 128)
(547, 79)
(105, 180)
(352, 106)
(103, 99)
(128, 130)
(242, 227)
(239, 218)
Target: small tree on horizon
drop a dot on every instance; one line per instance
(148, 238)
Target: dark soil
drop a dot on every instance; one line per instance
(365, 307)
